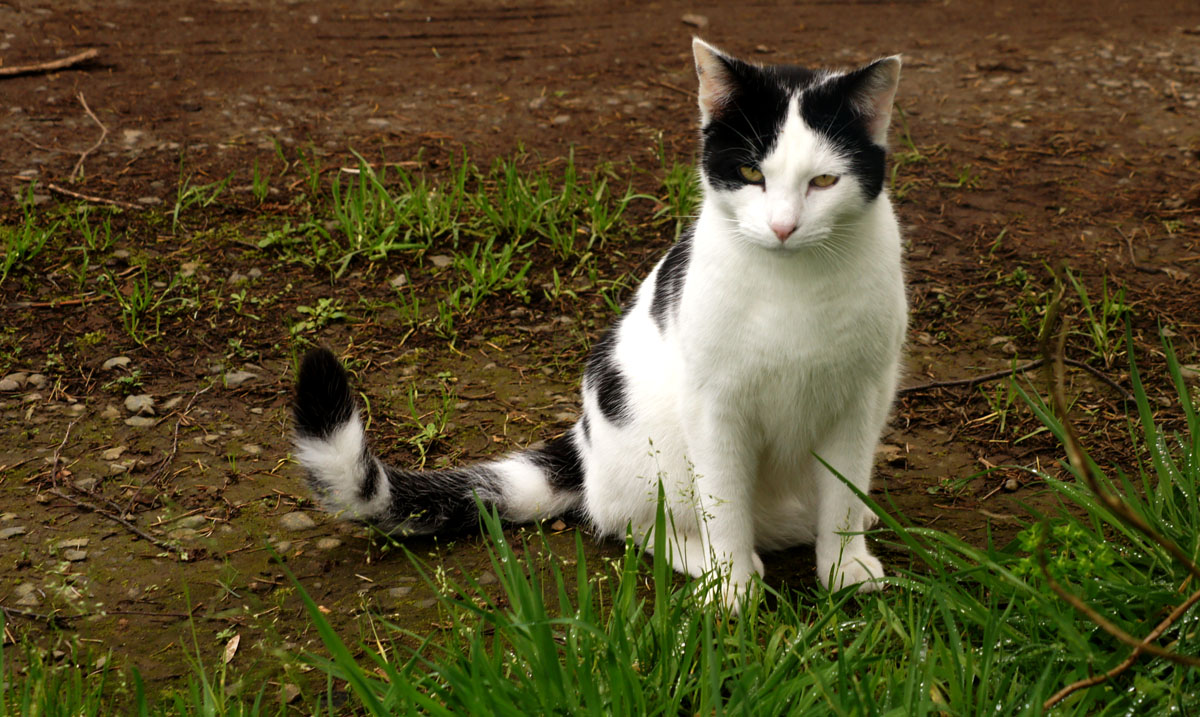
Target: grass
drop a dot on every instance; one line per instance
(963, 630)
(25, 241)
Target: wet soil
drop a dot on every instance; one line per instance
(1031, 136)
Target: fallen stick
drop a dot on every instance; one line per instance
(78, 170)
(89, 198)
(178, 551)
(1036, 363)
(50, 66)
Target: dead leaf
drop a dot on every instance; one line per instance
(231, 647)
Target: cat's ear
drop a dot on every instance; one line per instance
(873, 88)
(717, 81)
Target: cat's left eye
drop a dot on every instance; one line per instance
(822, 181)
(753, 175)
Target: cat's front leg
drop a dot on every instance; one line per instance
(724, 461)
(843, 557)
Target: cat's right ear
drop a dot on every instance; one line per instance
(716, 79)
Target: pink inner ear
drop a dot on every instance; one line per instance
(878, 95)
(714, 87)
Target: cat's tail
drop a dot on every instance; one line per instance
(351, 481)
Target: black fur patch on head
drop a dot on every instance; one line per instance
(830, 108)
(748, 124)
(668, 285)
(604, 376)
(323, 401)
(560, 459)
(745, 128)
(438, 501)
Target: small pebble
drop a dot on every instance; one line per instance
(328, 543)
(141, 421)
(72, 543)
(140, 404)
(36, 380)
(487, 578)
(75, 556)
(441, 261)
(12, 532)
(113, 454)
(116, 362)
(233, 379)
(252, 449)
(399, 592)
(558, 525)
(296, 520)
(110, 413)
(1011, 484)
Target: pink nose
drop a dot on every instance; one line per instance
(783, 230)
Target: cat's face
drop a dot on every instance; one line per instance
(791, 155)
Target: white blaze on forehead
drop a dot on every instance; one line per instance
(799, 154)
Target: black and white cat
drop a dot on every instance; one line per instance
(767, 336)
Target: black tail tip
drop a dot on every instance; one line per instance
(323, 399)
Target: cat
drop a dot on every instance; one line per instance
(765, 344)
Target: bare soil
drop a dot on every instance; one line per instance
(1045, 134)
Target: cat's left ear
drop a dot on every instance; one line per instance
(717, 82)
(873, 88)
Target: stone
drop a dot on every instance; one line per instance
(36, 380)
(328, 543)
(172, 403)
(487, 578)
(140, 404)
(694, 20)
(72, 543)
(400, 592)
(115, 362)
(74, 556)
(116, 469)
(188, 268)
(233, 379)
(113, 454)
(110, 413)
(399, 281)
(561, 119)
(141, 422)
(76, 410)
(7, 385)
(252, 449)
(12, 532)
(87, 485)
(296, 520)
(441, 261)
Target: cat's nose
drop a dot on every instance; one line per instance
(783, 229)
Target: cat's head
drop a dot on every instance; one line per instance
(790, 155)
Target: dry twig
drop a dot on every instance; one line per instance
(50, 66)
(1037, 363)
(78, 170)
(182, 553)
(89, 198)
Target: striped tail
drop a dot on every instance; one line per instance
(350, 480)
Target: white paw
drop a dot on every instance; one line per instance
(758, 565)
(870, 520)
(863, 570)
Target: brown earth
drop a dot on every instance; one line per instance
(1036, 135)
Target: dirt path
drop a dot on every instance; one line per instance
(1030, 135)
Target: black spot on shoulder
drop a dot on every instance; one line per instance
(560, 459)
(605, 378)
(668, 285)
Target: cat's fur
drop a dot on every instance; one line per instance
(768, 336)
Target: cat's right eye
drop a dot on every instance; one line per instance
(753, 175)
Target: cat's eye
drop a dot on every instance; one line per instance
(821, 181)
(751, 174)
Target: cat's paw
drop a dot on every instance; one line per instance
(758, 564)
(863, 570)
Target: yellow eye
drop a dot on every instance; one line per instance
(822, 181)
(750, 174)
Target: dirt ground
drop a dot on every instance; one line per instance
(1043, 134)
